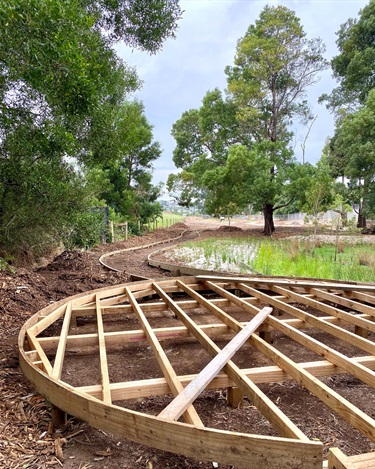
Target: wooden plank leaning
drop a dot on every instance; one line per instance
(181, 402)
(341, 406)
(190, 414)
(278, 419)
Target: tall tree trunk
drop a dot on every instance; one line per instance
(361, 220)
(269, 226)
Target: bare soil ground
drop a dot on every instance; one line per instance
(26, 439)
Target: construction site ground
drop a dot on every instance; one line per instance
(26, 437)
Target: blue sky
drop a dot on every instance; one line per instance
(178, 77)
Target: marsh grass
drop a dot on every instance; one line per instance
(366, 259)
(294, 257)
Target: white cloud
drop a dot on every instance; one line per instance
(178, 77)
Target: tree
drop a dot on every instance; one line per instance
(130, 192)
(318, 193)
(142, 24)
(350, 147)
(203, 137)
(355, 139)
(249, 179)
(274, 66)
(354, 66)
(61, 87)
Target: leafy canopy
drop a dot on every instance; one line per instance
(354, 66)
(62, 89)
(234, 150)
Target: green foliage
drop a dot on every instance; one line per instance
(37, 201)
(85, 230)
(353, 67)
(203, 137)
(62, 112)
(354, 140)
(261, 174)
(319, 191)
(142, 24)
(129, 190)
(351, 153)
(5, 265)
(274, 65)
(234, 151)
(182, 188)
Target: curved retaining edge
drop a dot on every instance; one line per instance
(178, 269)
(239, 449)
(144, 246)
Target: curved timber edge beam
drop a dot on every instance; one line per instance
(178, 269)
(239, 449)
(144, 246)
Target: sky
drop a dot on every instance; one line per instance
(177, 77)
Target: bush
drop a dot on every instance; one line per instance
(88, 229)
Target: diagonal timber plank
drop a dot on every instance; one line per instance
(59, 358)
(106, 392)
(354, 305)
(35, 345)
(181, 402)
(332, 329)
(341, 406)
(359, 371)
(277, 418)
(41, 325)
(190, 414)
(350, 318)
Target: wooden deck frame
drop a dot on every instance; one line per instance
(347, 307)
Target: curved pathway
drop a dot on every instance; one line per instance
(135, 260)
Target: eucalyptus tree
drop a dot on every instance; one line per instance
(274, 66)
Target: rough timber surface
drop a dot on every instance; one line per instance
(204, 310)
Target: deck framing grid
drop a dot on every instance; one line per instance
(346, 306)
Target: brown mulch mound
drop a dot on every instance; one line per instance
(230, 229)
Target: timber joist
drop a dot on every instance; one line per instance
(85, 355)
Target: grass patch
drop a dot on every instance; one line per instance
(280, 257)
(165, 221)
